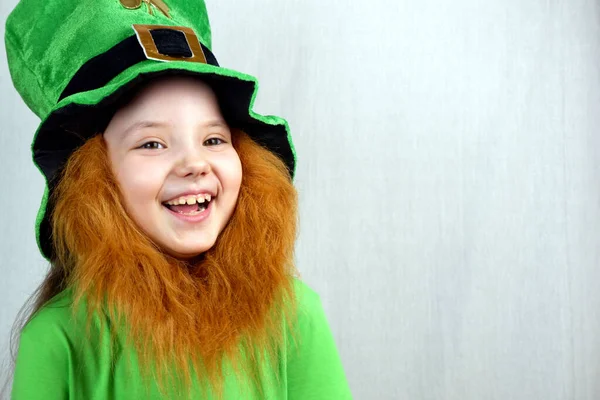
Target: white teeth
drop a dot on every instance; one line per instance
(200, 198)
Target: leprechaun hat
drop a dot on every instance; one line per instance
(74, 61)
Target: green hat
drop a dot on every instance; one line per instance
(75, 61)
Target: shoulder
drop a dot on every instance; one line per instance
(56, 315)
(314, 369)
(45, 349)
(309, 307)
(305, 294)
(310, 316)
(53, 326)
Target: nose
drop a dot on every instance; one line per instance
(192, 163)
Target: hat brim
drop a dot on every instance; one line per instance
(82, 115)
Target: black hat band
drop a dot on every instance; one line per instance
(156, 42)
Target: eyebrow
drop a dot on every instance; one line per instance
(156, 124)
(216, 124)
(142, 125)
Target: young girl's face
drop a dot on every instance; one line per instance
(172, 155)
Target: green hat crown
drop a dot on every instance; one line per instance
(48, 41)
(75, 61)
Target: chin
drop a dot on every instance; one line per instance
(189, 252)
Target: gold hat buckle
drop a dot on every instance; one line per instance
(144, 35)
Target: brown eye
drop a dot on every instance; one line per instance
(152, 146)
(213, 141)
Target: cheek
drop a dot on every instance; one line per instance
(232, 173)
(140, 183)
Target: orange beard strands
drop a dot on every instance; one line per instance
(183, 319)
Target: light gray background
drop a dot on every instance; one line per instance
(449, 167)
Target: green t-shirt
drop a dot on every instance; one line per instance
(52, 362)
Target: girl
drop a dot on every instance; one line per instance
(169, 217)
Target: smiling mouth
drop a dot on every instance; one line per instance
(189, 205)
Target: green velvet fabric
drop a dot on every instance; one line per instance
(47, 41)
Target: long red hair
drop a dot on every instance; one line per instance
(186, 318)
